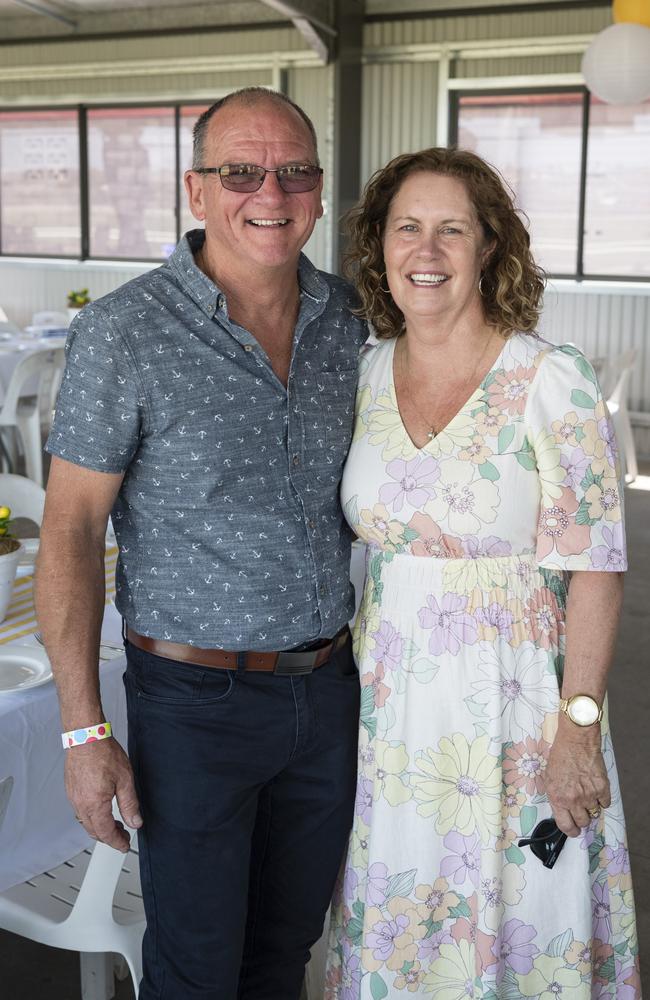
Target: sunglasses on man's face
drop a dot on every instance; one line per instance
(546, 842)
(294, 178)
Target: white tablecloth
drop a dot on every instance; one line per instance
(39, 829)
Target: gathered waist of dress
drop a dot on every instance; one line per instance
(403, 574)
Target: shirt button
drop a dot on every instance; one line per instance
(295, 460)
(248, 347)
(311, 524)
(322, 590)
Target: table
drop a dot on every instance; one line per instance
(39, 829)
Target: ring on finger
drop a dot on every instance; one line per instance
(594, 813)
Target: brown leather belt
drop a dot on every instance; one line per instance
(291, 661)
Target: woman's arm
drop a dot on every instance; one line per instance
(576, 778)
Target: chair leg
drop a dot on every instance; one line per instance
(30, 431)
(630, 451)
(9, 448)
(97, 978)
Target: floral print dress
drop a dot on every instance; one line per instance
(459, 641)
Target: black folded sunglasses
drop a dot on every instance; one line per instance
(546, 842)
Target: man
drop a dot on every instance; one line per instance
(208, 405)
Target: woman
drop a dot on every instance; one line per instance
(481, 473)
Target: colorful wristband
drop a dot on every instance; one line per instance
(90, 734)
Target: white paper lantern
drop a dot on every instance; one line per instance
(616, 66)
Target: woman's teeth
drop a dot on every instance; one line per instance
(427, 279)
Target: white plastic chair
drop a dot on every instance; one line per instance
(50, 318)
(91, 904)
(623, 366)
(6, 785)
(28, 414)
(24, 497)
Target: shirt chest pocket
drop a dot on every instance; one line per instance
(336, 393)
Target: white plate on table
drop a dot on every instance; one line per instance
(27, 557)
(23, 667)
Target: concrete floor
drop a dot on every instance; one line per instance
(31, 972)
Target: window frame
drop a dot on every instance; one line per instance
(84, 214)
(579, 275)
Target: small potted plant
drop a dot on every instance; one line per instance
(10, 551)
(76, 301)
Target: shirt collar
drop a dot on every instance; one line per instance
(198, 286)
(209, 296)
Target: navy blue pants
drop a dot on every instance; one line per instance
(246, 783)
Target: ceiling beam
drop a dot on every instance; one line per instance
(313, 20)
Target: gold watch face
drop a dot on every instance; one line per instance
(583, 710)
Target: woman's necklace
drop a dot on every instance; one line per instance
(432, 433)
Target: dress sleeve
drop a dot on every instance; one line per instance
(574, 449)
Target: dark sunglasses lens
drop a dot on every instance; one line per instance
(245, 179)
(297, 180)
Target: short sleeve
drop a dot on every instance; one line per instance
(100, 408)
(581, 524)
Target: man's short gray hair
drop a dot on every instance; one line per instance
(249, 97)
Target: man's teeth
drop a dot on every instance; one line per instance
(268, 222)
(428, 279)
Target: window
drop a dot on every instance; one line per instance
(39, 195)
(95, 182)
(131, 181)
(188, 117)
(617, 212)
(578, 169)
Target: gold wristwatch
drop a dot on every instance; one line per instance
(582, 709)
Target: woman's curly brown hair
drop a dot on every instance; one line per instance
(512, 284)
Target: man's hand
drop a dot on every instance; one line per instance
(576, 778)
(94, 773)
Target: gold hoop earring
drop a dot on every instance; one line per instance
(480, 286)
(386, 291)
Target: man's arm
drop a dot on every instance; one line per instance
(69, 597)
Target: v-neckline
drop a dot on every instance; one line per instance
(452, 420)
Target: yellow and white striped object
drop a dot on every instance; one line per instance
(20, 620)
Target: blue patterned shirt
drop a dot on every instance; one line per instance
(228, 520)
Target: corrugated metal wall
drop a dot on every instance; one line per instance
(517, 66)
(120, 87)
(481, 27)
(311, 89)
(177, 66)
(200, 44)
(399, 111)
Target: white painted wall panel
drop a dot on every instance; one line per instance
(27, 287)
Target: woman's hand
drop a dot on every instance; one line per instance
(576, 778)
